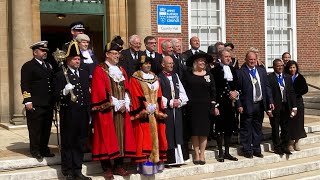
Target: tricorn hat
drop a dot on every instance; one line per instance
(191, 59)
(115, 44)
(73, 50)
(43, 45)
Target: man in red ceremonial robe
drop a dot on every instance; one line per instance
(147, 115)
(113, 136)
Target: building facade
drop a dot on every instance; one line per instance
(272, 26)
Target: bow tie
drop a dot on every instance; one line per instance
(167, 74)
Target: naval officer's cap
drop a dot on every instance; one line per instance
(77, 26)
(43, 45)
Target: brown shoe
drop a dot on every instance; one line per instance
(296, 145)
(121, 171)
(108, 175)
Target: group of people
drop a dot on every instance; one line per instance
(146, 106)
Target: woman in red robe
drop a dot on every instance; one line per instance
(147, 115)
(113, 136)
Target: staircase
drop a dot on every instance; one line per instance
(304, 164)
(312, 103)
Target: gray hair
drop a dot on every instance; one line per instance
(133, 37)
(174, 42)
(163, 43)
(82, 37)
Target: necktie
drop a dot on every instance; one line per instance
(150, 55)
(44, 64)
(76, 73)
(256, 85)
(282, 90)
(196, 52)
(136, 55)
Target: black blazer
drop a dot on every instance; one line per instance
(156, 66)
(245, 88)
(37, 81)
(188, 53)
(128, 63)
(288, 88)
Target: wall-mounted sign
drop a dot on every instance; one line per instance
(169, 19)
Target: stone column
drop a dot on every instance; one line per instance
(36, 23)
(143, 18)
(21, 39)
(4, 66)
(117, 19)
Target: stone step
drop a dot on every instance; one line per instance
(310, 155)
(315, 112)
(263, 171)
(21, 162)
(310, 175)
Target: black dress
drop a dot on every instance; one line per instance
(296, 125)
(201, 92)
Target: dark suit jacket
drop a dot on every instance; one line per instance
(288, 88)
(128, 63)
(188, 53)
(245, 88)
(156, 66)
(38, 82)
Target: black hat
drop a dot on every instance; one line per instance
(77, 26)
(73, 50)
(115, 44)
(143, 59)
(191, 59)
(229, 44)
(43, 45)
(212, 50)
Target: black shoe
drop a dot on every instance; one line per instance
(47, 154)
(258, 154)
(286, 151)
(69, 177)
(202, 162)
(80, 176)
(247, 155)
(196, 162)
(220, 159)
(232, 158)
(278, 151)
(36, 155)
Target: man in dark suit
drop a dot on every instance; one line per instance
(255, 98)
(74, 99)
(195, 45)
(37, 87)
(130, 56)
(75, 29)
(285, 106)
(151, 44)
(167, 50)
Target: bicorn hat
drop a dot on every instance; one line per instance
(73, 50)
(115, 44)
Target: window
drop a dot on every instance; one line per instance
(207, 21)
(280, 30)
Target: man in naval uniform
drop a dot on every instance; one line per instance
(72, 93)
(76, 28)
(36, 87)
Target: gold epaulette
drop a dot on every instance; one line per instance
(25, 95)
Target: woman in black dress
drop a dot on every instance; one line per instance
(296, 126)
(200, 88)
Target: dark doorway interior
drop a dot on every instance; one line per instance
(57, 32)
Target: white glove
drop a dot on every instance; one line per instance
(67, 89)
(151, 108)
(117, 103)
(127, 101)
(164, 101)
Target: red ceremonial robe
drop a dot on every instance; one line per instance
(149, 130)
(105, 144)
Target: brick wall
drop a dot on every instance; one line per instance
(184, 21)
(245, 26)
(308, 37)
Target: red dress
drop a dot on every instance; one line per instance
(149, 130)
(106, 138)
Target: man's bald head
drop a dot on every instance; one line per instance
(167, 64)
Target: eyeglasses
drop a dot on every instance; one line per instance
(114, 53)
(152, 42)
(136, 44)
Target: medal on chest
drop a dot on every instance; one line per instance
(254, 81)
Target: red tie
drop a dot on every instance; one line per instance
(167, 74)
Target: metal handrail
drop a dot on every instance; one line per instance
(313, 86)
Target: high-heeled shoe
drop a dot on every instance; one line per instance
(220, 157)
